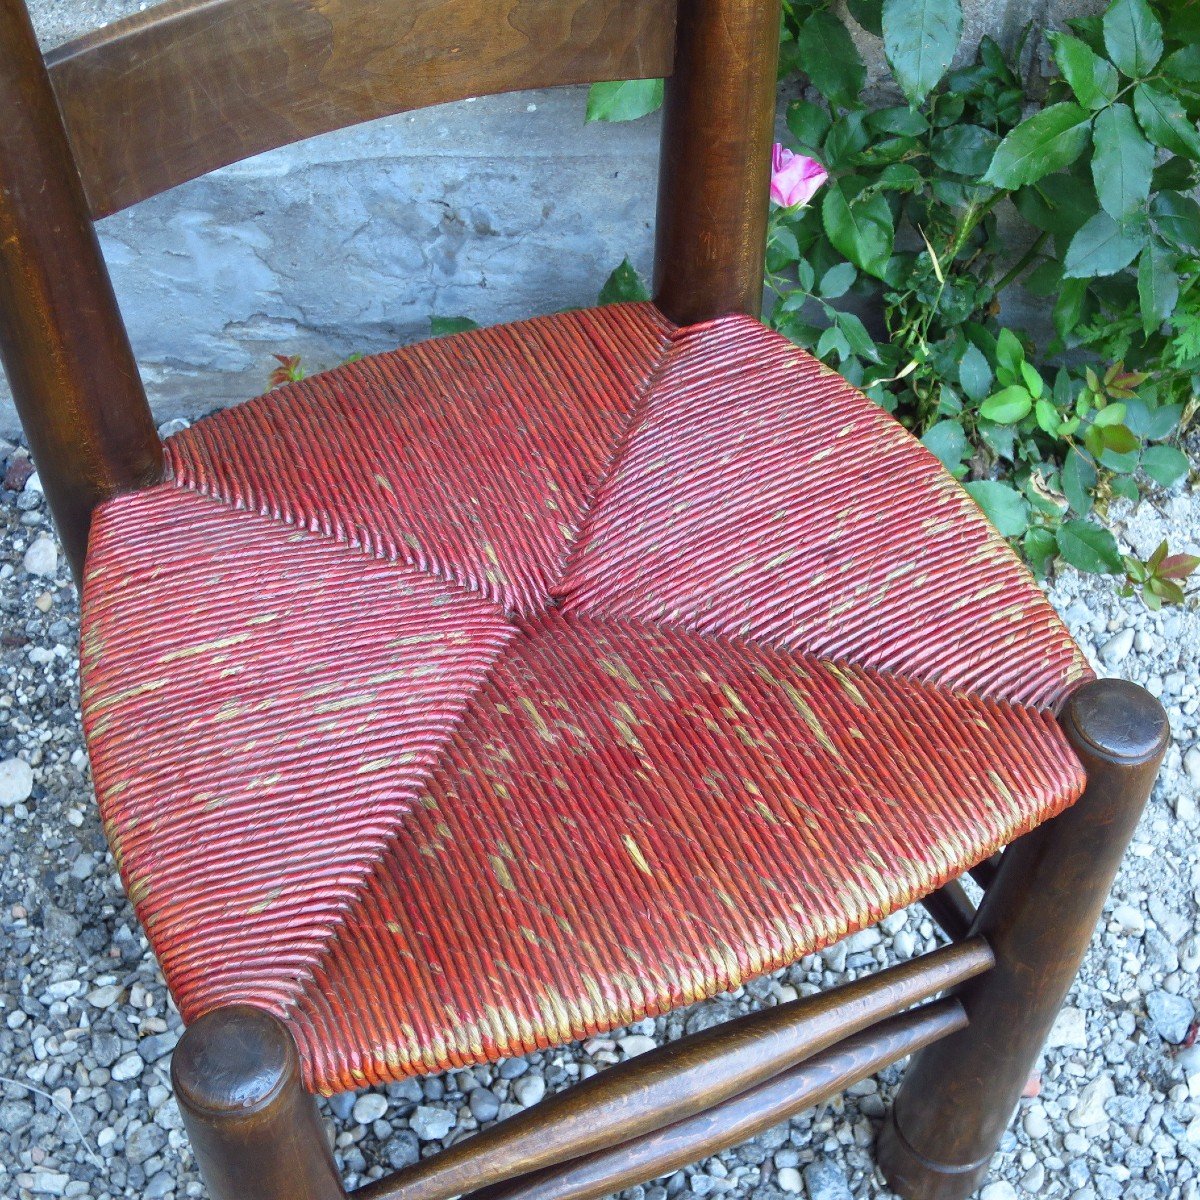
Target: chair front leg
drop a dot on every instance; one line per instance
(254, 1130)
(1038, 916)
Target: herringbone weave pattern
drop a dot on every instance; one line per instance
(518, 685)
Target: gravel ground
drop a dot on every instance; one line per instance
(87, 1028)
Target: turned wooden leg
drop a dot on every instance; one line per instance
(959, 1095)
(253, 1128)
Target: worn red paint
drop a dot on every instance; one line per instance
(514, 686)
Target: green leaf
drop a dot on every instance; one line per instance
(846, 140)
(919, 39)
(809, 123)
(1184, 65)
(1048, 141)
(1177, 219)
(1133, 37)
(947, 442)
(833, 341)
(869, 14)
(1120, 440)
(1123, 162)
(1125, 487)
(900, 120)
(1089, 548)
(1158, 285)
(623, 284)
(861, 229)
(1003, 505)
(1010, 355)
(1047, 417)
(974, 373)
(837, 281)
(856, 335)
(1078, 478)
(1177, 174)
(1102, 247)
(1165, 464)
(624, 100)
(1069, 307)
(1008, 406)
(964, 149)
(830, 58)
(1060, 204)
(441, 326)
(1164, 121)
(1093, 79)
(1040, 548)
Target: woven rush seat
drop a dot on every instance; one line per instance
(517, 685)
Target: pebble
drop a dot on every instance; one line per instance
(637, 1044)
(16, 782)
(144, 1143)
(1129, 920)
(130, 1066)
(789, 1181)
(1000, 1190)
(1089, 1109)
(1170, 1015)
(106, 996)
(529, 1090)
(484, 1104)
(431, 1124)
(825, 1180)
(42, 557)
(1191, 764)
(403, 1149)
(369, 1107)
(1069, 1030)
(1035, 1123)
(1117, 648)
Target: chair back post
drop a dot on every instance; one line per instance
(716, 160)
(62, 341)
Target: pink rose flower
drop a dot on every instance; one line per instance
(794, 178)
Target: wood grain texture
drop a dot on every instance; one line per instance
(715, 166)
(192, 85)
(254, 1130)
(741, 1118)
(64, 348)
(680, 1080)
(1038, 916)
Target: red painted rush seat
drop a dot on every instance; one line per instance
(517, 685)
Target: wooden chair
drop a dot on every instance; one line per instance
(518, 685)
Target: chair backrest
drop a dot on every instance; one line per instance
(191, 85)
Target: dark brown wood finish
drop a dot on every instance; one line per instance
(65, 350)
(191, 85)
(951, 908)
(741, 1118)
(678, 1081)
(1038, 916)
(716, 160)
(254, 1130)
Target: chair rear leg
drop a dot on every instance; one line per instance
(959, 1095)
(254, 1130)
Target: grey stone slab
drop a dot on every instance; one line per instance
(496, 209)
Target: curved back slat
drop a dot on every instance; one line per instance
(192, 85)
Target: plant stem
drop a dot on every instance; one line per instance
(1022, 263)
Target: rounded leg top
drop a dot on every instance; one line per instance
(1116, 720)
(234, 1060)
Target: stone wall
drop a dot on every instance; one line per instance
(496, 208)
